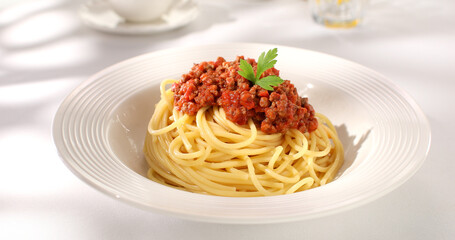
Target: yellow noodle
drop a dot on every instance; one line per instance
(209, 154)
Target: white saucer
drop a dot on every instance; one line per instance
(98, 15)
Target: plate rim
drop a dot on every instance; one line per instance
(57, 121)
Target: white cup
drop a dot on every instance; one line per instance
(142, 10)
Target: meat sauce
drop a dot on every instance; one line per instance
(218, 84)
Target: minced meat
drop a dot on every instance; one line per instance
(218, 83)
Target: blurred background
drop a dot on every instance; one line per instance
(46, 51)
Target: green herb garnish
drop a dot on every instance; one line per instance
(265, 62)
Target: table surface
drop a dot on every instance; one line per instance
(45, 52)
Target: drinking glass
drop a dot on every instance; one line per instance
(338, 13)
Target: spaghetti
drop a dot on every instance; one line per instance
(207, 153)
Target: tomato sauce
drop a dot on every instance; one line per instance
(218, 83)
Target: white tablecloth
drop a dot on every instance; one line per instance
(45, 52)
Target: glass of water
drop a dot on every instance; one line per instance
(338, 13)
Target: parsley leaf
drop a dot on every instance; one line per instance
(265, 62)
(247, 71)
(269, 81)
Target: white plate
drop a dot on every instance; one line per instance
(100, 127)
(98, 15)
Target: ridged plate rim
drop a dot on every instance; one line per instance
(77, 141)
